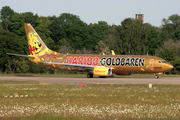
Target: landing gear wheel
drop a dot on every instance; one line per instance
(89, 75)
(102, 76)
(156, 76)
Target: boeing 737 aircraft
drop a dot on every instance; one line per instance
(98, 65)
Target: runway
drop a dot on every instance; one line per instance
(73, 80)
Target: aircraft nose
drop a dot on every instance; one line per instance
(169, 66)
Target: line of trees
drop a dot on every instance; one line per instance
(67, 33)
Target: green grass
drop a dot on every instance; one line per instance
(18, 82)
(91, 102)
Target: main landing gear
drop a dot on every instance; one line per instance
(156, 76)
(89, 75)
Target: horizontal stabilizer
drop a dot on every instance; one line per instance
(28, 56)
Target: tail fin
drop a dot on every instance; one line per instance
(36, 45)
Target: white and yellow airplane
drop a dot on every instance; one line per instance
(98, 65)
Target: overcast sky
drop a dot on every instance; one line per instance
(92, 11)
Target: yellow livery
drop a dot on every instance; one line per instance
(98, 65)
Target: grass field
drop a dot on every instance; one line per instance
(89, 102)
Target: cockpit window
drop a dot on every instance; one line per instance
(162, 61)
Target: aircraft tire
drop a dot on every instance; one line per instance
(89, 75)
(156, 76)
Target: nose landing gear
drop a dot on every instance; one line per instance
(156, 76)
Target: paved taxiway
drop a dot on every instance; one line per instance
(73, 80)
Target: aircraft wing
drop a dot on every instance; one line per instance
(28, 56)
(75, 66)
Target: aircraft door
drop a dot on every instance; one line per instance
(151, 62)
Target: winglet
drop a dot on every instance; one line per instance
(112, 51)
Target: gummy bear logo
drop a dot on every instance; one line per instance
(34, 43)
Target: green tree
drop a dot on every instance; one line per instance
(56, 29)
(6, 13)
(0, 25)
(168, 32)
(167, 54)
(97, 32)
(154, 40)
(176, 64)
(23, 66)
(170, 51)
(9, 43)
(170, 27)
(5, 16)
(132, 37)
(5, 24)
(177, 34)
(16, 26)
(102, 48)
(43, 24)
(111, 41)
(29, 17)
(74, 30)
(175, 20)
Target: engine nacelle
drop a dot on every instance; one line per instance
(102, 71)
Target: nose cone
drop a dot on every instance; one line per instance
(169, 66)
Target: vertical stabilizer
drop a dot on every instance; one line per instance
(36, 45)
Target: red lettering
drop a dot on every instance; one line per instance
(89, 61)
(85, 61)
(75, 60)
(95, 61)
(68, 60)
(80, 60)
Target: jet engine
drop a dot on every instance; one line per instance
(102, 71)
